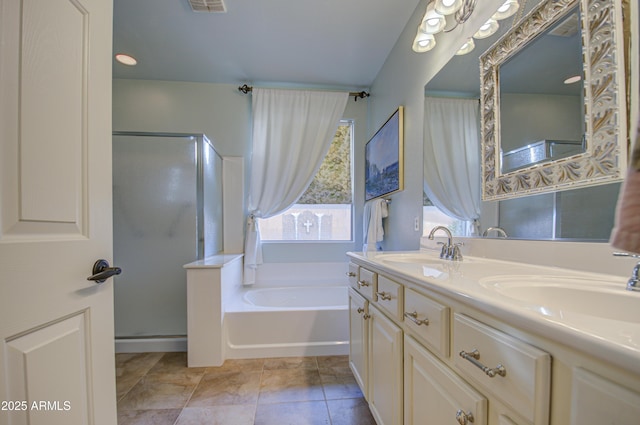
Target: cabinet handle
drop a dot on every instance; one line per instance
(360, 310)
(366, 316)
(474, 357)
(384, 295)
(464, 418)
(350, 274)
(363, 283)
(414, 318)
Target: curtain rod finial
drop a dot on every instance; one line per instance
(245, 89)
(360, 95)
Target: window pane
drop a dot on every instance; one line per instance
(328, 222)
(332, 183)
(432, 217)
(323, 213)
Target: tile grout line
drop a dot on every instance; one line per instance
(195, 387)
(146, 372)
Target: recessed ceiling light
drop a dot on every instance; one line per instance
(573, 79)
(126, 59)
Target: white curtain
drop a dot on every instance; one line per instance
(292, 133)
(452, 157)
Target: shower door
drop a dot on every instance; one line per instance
(158, 222)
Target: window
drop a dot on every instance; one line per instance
(432, 217)
(324, 211)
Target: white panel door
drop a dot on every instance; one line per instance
(56, 327)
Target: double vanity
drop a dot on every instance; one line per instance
(483, 341)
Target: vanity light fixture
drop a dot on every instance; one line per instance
(468, 46)
(487, 29)
(434, 21)
(573, 79)
(126, 59)
(448, 7)
(423, 42)
(508, 8)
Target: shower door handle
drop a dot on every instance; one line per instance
(101, 271)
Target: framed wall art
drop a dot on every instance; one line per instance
(384, 162)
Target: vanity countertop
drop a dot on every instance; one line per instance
(589, 312)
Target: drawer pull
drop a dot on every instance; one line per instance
(474, 356)
(414, 318)
(363, 283)
(464, 418)
(384, 295)
(360, 310)
(350, 274)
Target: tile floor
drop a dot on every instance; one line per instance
(158, 389)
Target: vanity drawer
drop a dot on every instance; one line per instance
(366, 282)
(513, 371)
(353, 275)
(427, 320)
(389, 296)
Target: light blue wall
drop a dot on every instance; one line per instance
(224, 114)
(401, 81)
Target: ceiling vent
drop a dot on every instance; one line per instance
(210, 6)
(567, 28)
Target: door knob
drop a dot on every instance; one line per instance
(101, 271)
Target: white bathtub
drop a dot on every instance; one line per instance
(287, 321)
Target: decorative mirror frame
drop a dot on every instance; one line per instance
(605, 158)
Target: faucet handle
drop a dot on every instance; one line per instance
(456, 255)
(444, 252)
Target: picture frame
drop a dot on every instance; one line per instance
(384, 158)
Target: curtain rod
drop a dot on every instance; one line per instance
(356, 95)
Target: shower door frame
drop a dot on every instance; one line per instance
(200, 138)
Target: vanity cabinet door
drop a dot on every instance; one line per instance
(358, 338)
(597, 401)
(385, 369)
(434, 394)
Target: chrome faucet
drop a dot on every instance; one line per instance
(633, 284)
(499, 230)
(450, 250)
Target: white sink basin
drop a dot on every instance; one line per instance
(557, 295)
(416, 258)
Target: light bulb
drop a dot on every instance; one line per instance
(487, 29)
(468, 46)
(423, 42)
(447, 7)
(508, 8)
(432, 22)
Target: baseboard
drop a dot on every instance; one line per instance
(151, 345)
(261, 351)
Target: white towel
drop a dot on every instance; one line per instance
(372, 230)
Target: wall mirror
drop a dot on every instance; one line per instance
(582, 140)
(584, 214)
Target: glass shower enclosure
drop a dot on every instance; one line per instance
(167, 211)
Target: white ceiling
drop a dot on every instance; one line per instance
(333, 43)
